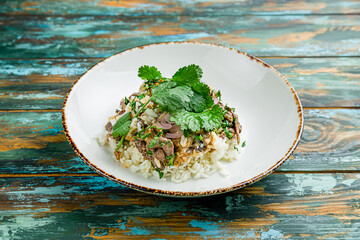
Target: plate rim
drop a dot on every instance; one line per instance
(180, 193)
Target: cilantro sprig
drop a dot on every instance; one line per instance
(186, 98)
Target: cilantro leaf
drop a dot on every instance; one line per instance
(149, 73)
(209, 119)
(188, 75)
(172, 97)
(212, 118)
(124, 118)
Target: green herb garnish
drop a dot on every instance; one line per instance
(161, 174)
(141, 96)
(228, 134)
(171, 162)
(153, 141)
(218, 94)
(243, 144)
(126, 101)
(186, 98)
(236, 148)
(122, 125)
(145, 135)
(198, 137)
(150, 152)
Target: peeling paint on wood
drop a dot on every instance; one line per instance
(91, 36)
(161, 7)
(43, 84)
(95, 208)
(34, 143)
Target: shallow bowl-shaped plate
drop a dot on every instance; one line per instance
(268, 108)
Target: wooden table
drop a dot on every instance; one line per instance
(47, 192)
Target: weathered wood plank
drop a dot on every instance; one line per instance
(34, 143)
(161, 7)
(43, 84)
(44, 37)
(294, 206)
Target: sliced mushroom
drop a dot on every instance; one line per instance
(109, 127)
(122, 104)
(159, 159)
(238, 128)
(166, 145)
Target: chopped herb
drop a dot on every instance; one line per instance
(168, 142)
(225, 123)
(145, 135)
(243, 144)
(236, 148)
(141, 96)
(228, 134)
(218, 94)
(150, 152)
(186, 134)
(126, 101)
(199, 137)
(136, 138)
(161, 174)
(160, 143)
(171, 162)
(139, 132)
(120, 143)
(153, 141)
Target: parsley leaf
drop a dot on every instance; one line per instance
(149, 73)
(243, 144)
(188, 75)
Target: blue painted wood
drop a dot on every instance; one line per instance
(294, 206)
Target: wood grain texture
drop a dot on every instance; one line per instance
(43, 84)
(80, 37)
(162, 7)
(294, 206)
(34, 143)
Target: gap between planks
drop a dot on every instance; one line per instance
(13, 175)
(60, 110)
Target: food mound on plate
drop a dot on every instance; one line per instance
(173, 128)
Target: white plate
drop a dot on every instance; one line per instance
(268, 107)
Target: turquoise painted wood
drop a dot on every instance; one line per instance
(34, 143)
(101, 36)
(162, 7)
(43, 84)
(293, 206)
(47, 192)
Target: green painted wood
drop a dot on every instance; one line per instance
(162, 7)
(80, 37)
(293, 206)
(43, 84)
(34, 143)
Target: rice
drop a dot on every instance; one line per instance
(172, 129)
(203, 165)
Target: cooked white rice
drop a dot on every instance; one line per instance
(202, 166)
